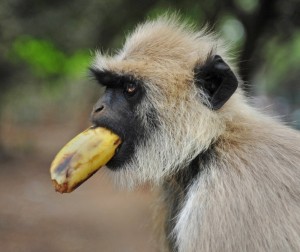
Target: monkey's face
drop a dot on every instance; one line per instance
(131, 108)
(117, 110)
(163, 94)
(165, 122)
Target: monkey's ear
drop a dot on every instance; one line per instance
(217, 80)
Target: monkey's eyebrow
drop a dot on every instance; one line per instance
(111, 79)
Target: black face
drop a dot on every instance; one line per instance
(116, 111)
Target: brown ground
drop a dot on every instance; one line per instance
(95, 217)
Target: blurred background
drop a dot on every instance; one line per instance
(46, 97)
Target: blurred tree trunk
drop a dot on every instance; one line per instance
(6, 71)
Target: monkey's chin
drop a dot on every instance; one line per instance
(121, 158)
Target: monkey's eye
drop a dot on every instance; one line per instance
(130, 88)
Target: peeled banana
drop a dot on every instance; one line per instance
(80, 158)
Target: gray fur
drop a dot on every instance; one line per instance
(247, 196)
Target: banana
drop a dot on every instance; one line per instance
(80, 158)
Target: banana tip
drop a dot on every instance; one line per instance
(62, 188)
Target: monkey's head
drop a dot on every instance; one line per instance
(165, 95)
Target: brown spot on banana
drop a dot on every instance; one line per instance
(80, 158)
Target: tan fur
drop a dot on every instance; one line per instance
(248, 199)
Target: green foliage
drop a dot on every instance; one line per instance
(232, 30)
(45, 60)
(283, 59)
(247, 5)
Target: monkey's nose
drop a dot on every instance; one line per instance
(96, 113)
(98, 109)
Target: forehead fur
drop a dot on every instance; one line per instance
(166, 42)
(166, 39)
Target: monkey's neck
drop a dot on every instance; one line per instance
(175, 189)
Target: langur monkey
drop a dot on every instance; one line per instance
(228, 175)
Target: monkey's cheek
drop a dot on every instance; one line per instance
(79, 159)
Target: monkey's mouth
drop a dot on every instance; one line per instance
(120, 150)
(125, 150)
(122, 155)
(116, 156)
